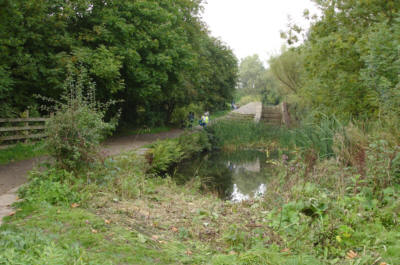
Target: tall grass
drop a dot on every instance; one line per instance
(315, 137)
(229, 134)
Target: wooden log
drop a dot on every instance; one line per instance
(23, 128)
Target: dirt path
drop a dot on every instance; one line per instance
(117, 145)
(15, 174)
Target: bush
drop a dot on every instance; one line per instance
(52, 186)
(194, 143)
(350, 146)
(163, 154)
(75, 131)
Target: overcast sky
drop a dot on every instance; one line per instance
(253, 26)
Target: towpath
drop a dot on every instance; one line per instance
(13, 175)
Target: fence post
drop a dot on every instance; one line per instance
(285, 114)
(26, 124)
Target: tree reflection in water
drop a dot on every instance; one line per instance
(233, 176)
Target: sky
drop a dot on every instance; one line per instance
(253, 26)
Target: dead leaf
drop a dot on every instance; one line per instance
(74, 205)
(232, 252)
(383, 263)
(155, 237)
(188, 252)
(174, 229)
(285, 250)
(11, 214)
(107, 221)
(351, 254)
(94, 231)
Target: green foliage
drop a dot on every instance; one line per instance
(52, 186)
(157, 56)
(236, 238)
(236, 134)
(349, 62)
(58, 235)
(256, 83)
(287, 69)
(180, 115)
(21, 151)
(313, 218)
(314, 139)
(34, 247)
(163, 154)
(75, 131)
(194, 143)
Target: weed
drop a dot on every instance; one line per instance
(21, 151)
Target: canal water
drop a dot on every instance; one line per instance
(234, 176)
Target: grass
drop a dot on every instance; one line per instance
(21, 151)
(118, 213)
(316, 138)
(230, 134)
(218, 114)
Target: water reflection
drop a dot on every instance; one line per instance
(234, 176)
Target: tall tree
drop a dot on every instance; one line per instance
(341, 56)
(156, 55)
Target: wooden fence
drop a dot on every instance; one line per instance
(16, 129)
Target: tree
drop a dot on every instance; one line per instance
(251, 75)
(344, 72)
(256, 81)
(286, 68)
(156, 55)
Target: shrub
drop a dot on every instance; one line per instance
(163, 154)
(52, 186)
(75, 131)
(350, 145)
(194, 143)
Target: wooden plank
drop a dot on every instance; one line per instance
(22, 119)
(23, 128)
(19, 137)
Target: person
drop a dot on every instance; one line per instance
(204, 119)
(233, 106)
(191, 119)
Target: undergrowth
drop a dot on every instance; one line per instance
(328, 208)
(21, 151)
